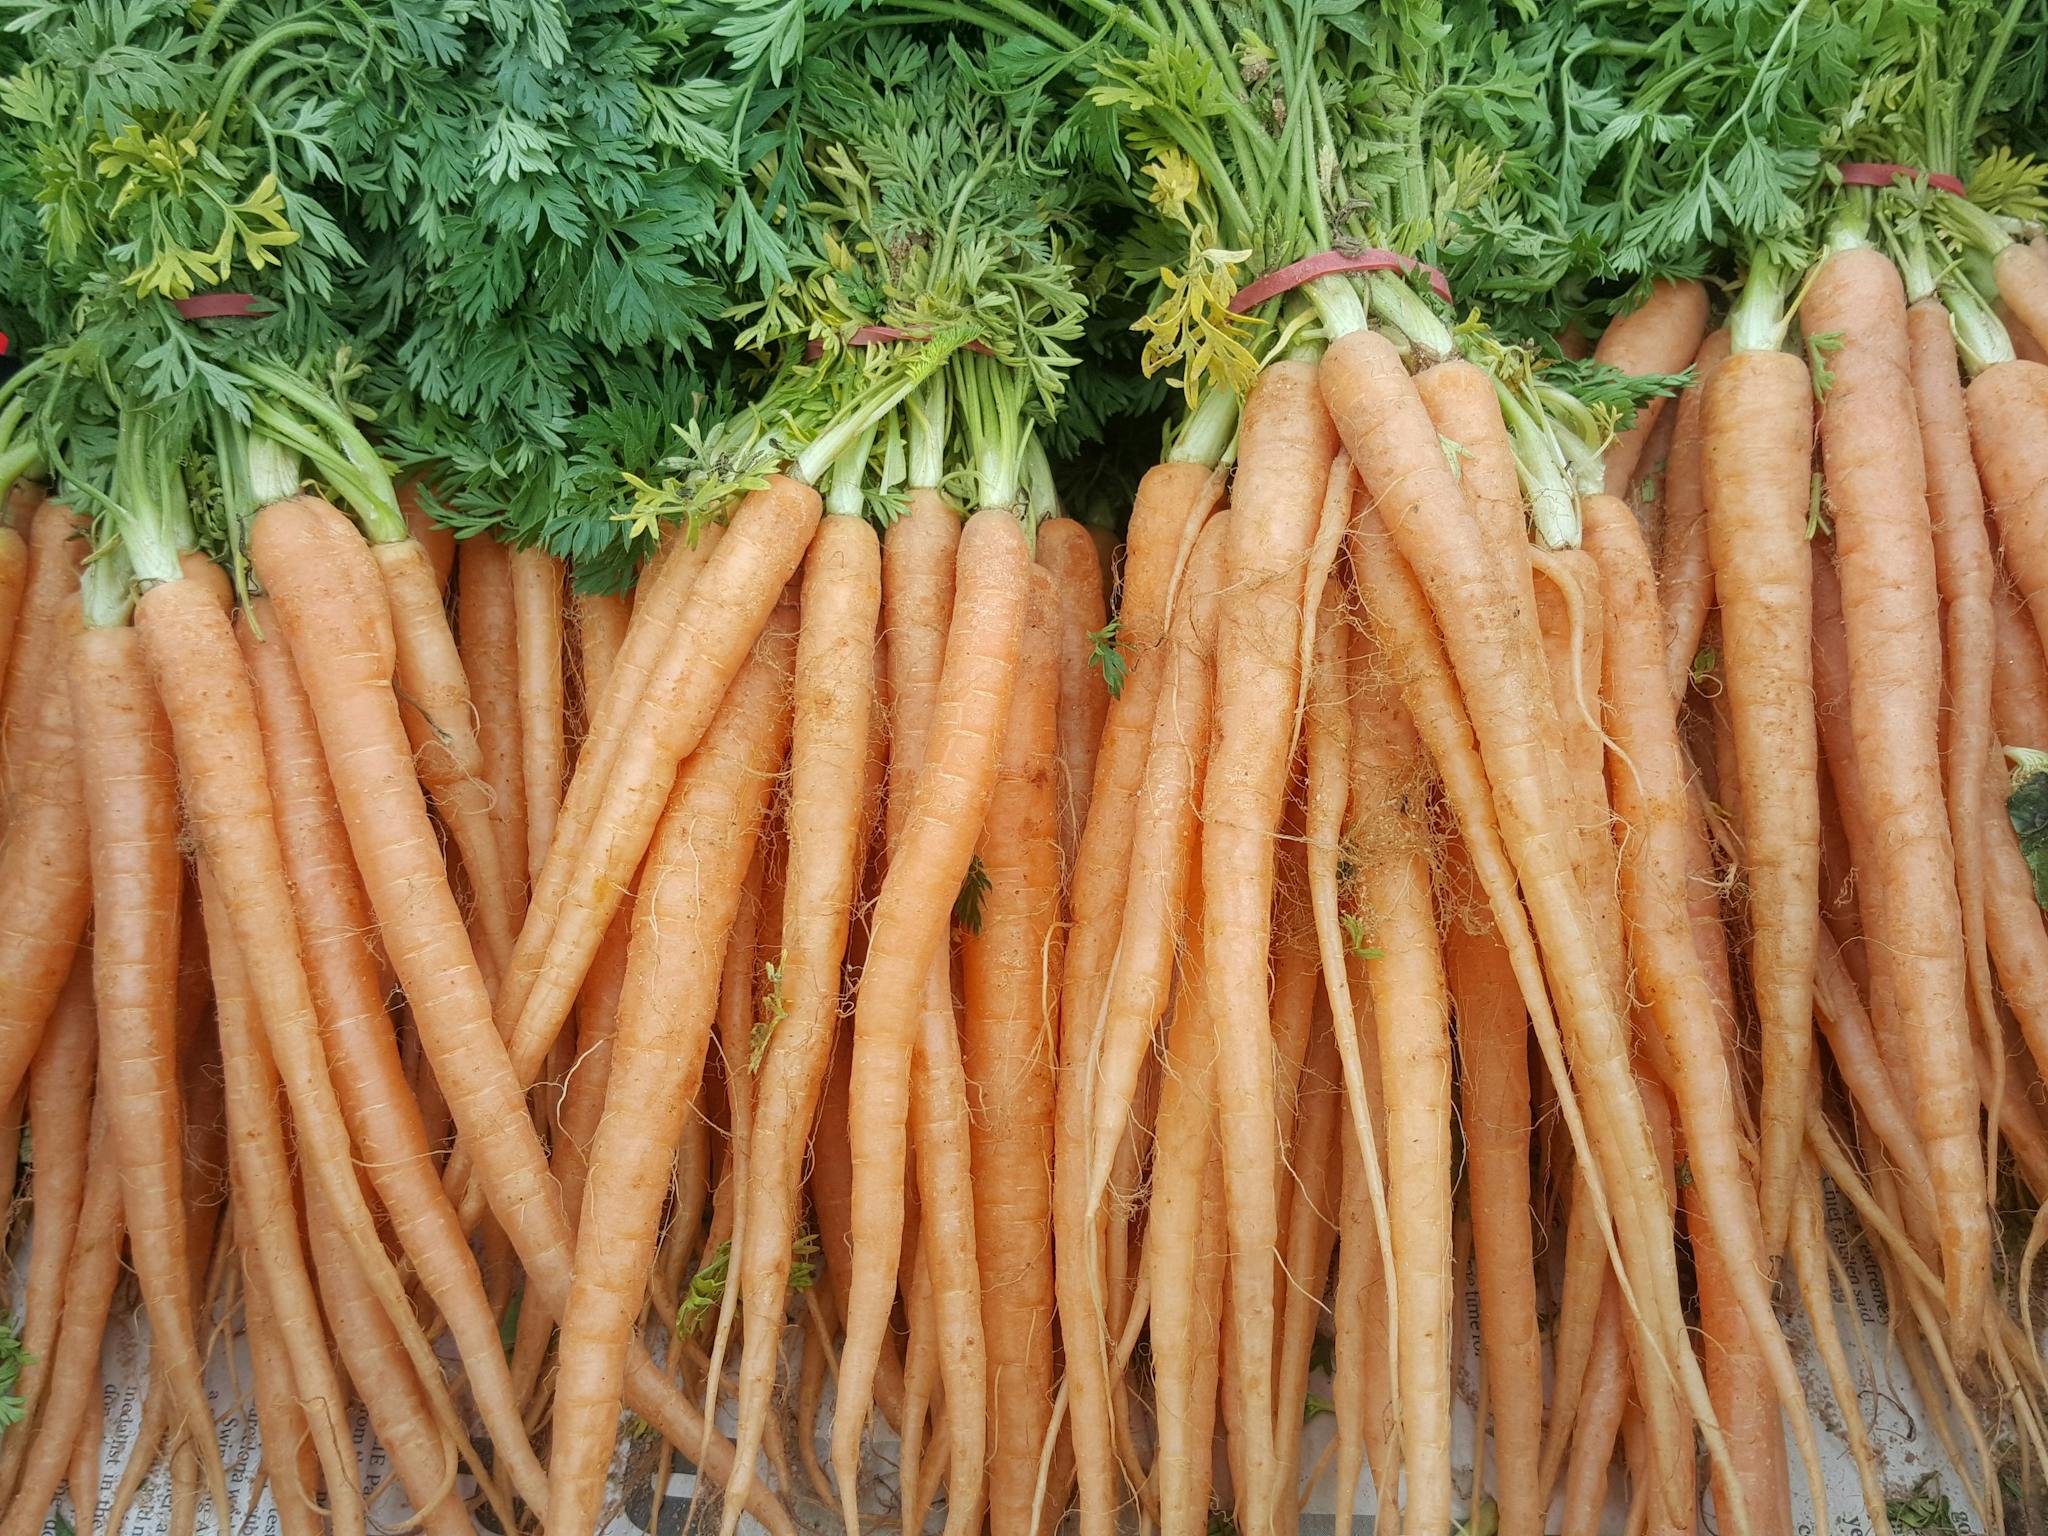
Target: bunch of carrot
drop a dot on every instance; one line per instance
(1496, 822)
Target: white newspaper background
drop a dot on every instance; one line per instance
(1909, 1456)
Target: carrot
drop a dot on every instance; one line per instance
(1876, 480)
(537, 607)
(1493, 1057)
(487, 615)
(375, 1362)
(74, 1362)
(829, 743)
(1648, 777)
(45, 875)
(60, 1098)
(1163, 841)
(1395, 446)
(1285, 445)
(604, 830)
(49, 591)
(1756, 451)
(832, 1203)
(1311, 1234)
(1404, 971)
(948, 1242)
(437, 541)
(344, 974)
(14, 576)
(441, 720)
(948, 801)
(601, 621)
(1965, 571)
(2019, 679)
(1172, 502)
(288, 1464)
(1066, 550)
(1685, 565)
(269, 1230)
(1599, 1418)
(688, 901)
(1182, 1314)
(1660, 335)
(1739, 1382)
(1008, 1011)
(206, 693)
(131, 800)
(2020, 271)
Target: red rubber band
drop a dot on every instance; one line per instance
(876, 335)
(219, 306)
(1326, 264)
(1882, 173)
(3, 343)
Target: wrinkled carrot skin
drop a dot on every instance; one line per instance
(1876, 480)
(1660, 335)
(1757, 451)
(1285, 446)
(1742, 1395)
(1008, 1014)
(1685, 565)
(131, 799)
(323, 582)
(2005, 403)
(437, 541)
(1493, 1056)
(1172, 500)
(1066, 550)
(1599, 1417)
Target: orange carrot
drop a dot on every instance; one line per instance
(1172, 502)
(688, 901)
(45, 878)
(1395, 446)
(537, 606)
(1876, 481)
(830, 737)
(1493, 1058)
(344, 973)
(1066, 550)
(49, 591)
(2021, 273)
(131, 797)
(609, 814)
(441, 719)
(14, 575)
(1285, 445)
(946, 806)
(74, 1362)
(1756, 435)
(1007, 1023)
(1660, 335)
(1685, 566)
(488, 623)
(1405, 973)
(437, 541)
